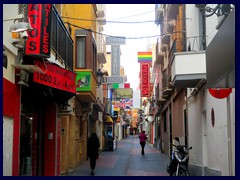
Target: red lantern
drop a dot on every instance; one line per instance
(220, 93)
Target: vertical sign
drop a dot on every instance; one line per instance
(145, 80)
(115, 65)
(115, 43)
(38, 43)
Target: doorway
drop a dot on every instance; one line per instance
(26, 143)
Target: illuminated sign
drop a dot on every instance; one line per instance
(38, 43)
(145, 80)
(54, 76)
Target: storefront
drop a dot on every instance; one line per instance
(109, 133)
(40, 127)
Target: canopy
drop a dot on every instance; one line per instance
(108, 119)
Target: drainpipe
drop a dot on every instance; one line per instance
(229, 121)
(184, 28)
(204, 43)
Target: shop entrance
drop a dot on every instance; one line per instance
(26, 143)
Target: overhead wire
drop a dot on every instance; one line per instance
(107, 35)
(132, 16)
(127, 22)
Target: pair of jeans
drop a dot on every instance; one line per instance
(142, 145)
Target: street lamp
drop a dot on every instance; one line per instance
(99, 77)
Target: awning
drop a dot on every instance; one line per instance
(108, 119)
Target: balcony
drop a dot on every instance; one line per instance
(160, 52)
(188, 69)
(86, 84)
(101, 50)
(158, 13)
(166, 85)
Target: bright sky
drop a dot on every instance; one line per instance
(132, 13)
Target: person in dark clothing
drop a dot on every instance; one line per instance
(143, 138)
(93, 145)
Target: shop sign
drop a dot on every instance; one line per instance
(83, 81)
(124, 93)
(54, 76)
(145, 80)
(38, 43)
(115, 40)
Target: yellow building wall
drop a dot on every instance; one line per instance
(79, 11)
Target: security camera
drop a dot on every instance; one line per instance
(20, 39)
(23, 35)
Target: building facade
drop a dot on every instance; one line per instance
(40, 78)
(187, 108)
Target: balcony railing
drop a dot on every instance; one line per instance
(61, 40)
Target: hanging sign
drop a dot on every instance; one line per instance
(220, 93)
(55, 76)
(145, 79)
(38, 43)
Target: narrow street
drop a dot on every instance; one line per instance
(127, 161)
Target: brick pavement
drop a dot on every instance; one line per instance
(127, 161)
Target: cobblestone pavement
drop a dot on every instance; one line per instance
(127, 160)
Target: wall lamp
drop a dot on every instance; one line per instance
(219, 10)
(99, 77)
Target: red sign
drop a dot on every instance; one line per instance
(220, 93)
(55, 76)
(38, 43)
(145, 80)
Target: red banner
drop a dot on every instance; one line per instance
(55, 76)
(38, 43)
(145, 79)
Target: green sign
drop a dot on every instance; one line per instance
(83, 81)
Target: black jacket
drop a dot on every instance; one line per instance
(93, 145)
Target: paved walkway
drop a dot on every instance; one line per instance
(127, 161)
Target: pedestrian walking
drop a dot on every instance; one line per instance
(143, 138)
(92, 151)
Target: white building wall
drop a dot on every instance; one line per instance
(7, 145)
(10, 11)
(210, 144)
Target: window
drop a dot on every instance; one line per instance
(81, 52)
